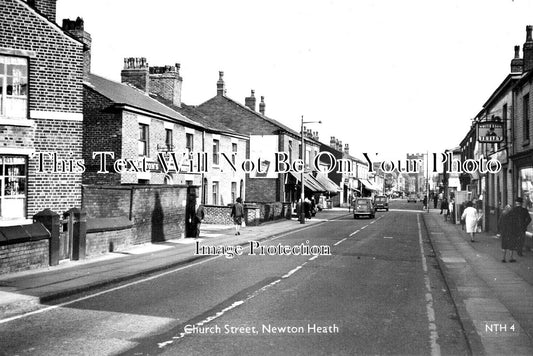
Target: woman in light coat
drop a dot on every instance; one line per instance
(470, 217)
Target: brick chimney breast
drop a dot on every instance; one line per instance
(332, 142)
(250, 101)
(220, 84)
(262, 106)
(76, 29)
(166, 82)
(136, 73)
(517, 63)
(46, 7)
(528, 50)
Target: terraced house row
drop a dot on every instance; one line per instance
(502, 130)
(89, 165)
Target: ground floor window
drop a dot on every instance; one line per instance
(525, 186)
(13, 180)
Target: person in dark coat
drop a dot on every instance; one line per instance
(307, 208)
(509, 242)
(237, 213)
(435, 201)
(521, 218)
(199, 216)
(444, 208)
(425, 202)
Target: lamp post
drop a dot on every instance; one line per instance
(302, 195)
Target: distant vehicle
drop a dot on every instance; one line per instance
(412, 198)
(363, 206)
(381, 202)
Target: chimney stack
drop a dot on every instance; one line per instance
(250, 101)
(332, 142)
(262, 106)
(135, 72)
(517, 63)
(347, 148)
(75, 28)
(528, 50)
(166, 82)
(220, 84)
(45, 7)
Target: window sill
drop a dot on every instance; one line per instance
(17, 122)
(525, 143)
(17, 221)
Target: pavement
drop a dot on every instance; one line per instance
(494, 300)
(26, 291)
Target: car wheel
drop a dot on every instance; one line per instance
(372, 216)
(387, 209)
(355, 216)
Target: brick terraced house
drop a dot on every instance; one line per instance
(143, 117)
(41, 104)
(267, 136)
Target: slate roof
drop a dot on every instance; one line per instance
(123, 94)
(211, 124)
(257, 114)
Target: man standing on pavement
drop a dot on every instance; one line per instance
(521, 219)
(199, 217)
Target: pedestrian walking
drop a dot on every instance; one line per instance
(521, 220)
(451, 210)
(425, 202)
(435, 201)
(509, 240)
(444, 208)
(307, 208)
(237, 212)
(199, 216)
(470, 218)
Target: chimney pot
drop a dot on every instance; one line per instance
(262, 106)
(76, 29)
(136, 73)
(527, 49)
(220, 84)
(166, 82)
(250, 101)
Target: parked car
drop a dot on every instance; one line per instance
(381, 202)
(363, 206)
(412, 198)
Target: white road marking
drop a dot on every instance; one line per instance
(364, 227)
(433, 335)
(339, 242)
(355, 232)
(313, 258)
(387, 237)
(287, 275)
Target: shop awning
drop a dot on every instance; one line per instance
(328, 184)
(369, 185)
(310, 182)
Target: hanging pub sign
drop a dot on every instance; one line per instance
(490, 131)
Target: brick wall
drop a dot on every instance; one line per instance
(102, 131)
(102, 242)
(262, 189)
(157, 211)
(62, 190)
(216, 214)
(24, 256)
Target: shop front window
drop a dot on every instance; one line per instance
(13, 187)
(526, 187)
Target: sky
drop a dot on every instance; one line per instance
(385, 76)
